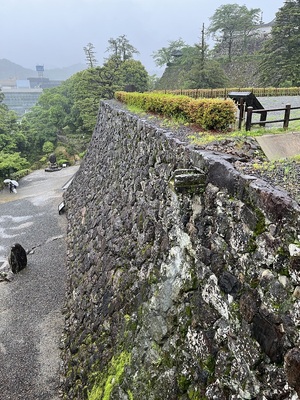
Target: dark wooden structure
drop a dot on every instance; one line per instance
(244, 100)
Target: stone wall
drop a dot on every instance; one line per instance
(184, 276)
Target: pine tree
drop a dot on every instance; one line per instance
(90, 55)
(232, 24)
(281, 53)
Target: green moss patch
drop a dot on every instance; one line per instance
(106, 381)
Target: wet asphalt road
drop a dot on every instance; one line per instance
(31, 322)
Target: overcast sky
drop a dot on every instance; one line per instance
(54, 32)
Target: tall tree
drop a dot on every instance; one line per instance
(168, 55)
(188, 67)
(232, 24)
(281, 53)
(121, 47)
(134, 74)
(89, 51)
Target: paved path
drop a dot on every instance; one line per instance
(30, 305)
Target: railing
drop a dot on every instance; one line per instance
(223, 92)
(263, 116)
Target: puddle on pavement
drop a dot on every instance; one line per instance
(6, 235)
(15, 219)
(6, 197)
(42, 199)
(22, 226)
(8, 231)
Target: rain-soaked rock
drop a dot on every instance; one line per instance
(229, 284)
(17, 258)
(292, 368)
(297, 292)
(249, 305)
(147, 295)
(268, 331)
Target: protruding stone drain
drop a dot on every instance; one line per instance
(188, 181)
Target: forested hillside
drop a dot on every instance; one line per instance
(245, 51)
(64, 117)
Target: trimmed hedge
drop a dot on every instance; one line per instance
(211, 114)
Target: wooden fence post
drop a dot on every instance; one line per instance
(263, 117)
(241, 113)
(287, 113)
(249, 118)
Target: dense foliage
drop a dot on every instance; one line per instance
(233, 29)
(244, 53)
(13, 143)
(189, 67)
(281, 53)
(64, 117)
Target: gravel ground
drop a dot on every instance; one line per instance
(31, 322)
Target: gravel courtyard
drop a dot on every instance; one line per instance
(31, 321)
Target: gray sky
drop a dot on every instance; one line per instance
(54, 32)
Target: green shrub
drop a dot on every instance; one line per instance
(20, 174)
(62, 161)
(218, 115)
(212, 114)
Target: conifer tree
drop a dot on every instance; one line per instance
(89, 51)
(281, 53)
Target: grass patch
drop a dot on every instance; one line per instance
(203, 138)
(135, 109)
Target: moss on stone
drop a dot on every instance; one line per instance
(106, 381)
(209, 365)
(260, 224)
(183, 383)
(281, 251)
(130, 395)
(195, 395)
(260, 227)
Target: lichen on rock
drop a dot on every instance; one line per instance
(176, 294)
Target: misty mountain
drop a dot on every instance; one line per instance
(10, 70)
(62, 74)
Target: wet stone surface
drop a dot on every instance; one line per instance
(247, 155)
(196, 288)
